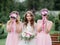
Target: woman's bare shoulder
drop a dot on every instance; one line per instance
(50, 22)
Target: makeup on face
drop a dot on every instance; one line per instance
(28, 17)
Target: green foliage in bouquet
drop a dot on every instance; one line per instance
(25, 37)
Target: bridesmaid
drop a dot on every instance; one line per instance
(29, 25)
(13, 28)
(43, 28)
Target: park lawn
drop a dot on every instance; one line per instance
(2, 41)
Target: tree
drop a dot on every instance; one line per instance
(32, 4)
(57, 5)
(39, 4)
(6, 6)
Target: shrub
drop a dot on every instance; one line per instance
(3, 36)
(3, 33)
(1, 30)
(57, 24)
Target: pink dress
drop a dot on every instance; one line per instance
(12, 38)
(43, 38)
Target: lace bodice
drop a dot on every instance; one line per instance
(28, 28)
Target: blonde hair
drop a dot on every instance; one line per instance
(18, 17)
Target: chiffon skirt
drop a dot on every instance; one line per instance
(43, 39)
(12, 39)
(31, 42)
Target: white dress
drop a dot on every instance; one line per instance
(32, 41)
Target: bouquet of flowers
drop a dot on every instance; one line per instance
(27, 35)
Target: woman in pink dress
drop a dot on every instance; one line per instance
(13, 29)
(43, 28)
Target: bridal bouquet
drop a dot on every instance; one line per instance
(27, 35)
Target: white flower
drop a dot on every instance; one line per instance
(27, 35)
(23, 34)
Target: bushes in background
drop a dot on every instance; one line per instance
(3, 33)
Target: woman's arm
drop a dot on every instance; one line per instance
(8, 27)
(38, 26)
(49, 27)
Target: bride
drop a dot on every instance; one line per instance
(29, 29)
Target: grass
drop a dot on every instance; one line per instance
(54, 32)
(2, 41)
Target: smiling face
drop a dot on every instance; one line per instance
(28, 17)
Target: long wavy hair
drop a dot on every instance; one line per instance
(31, 21)
(18, 17)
